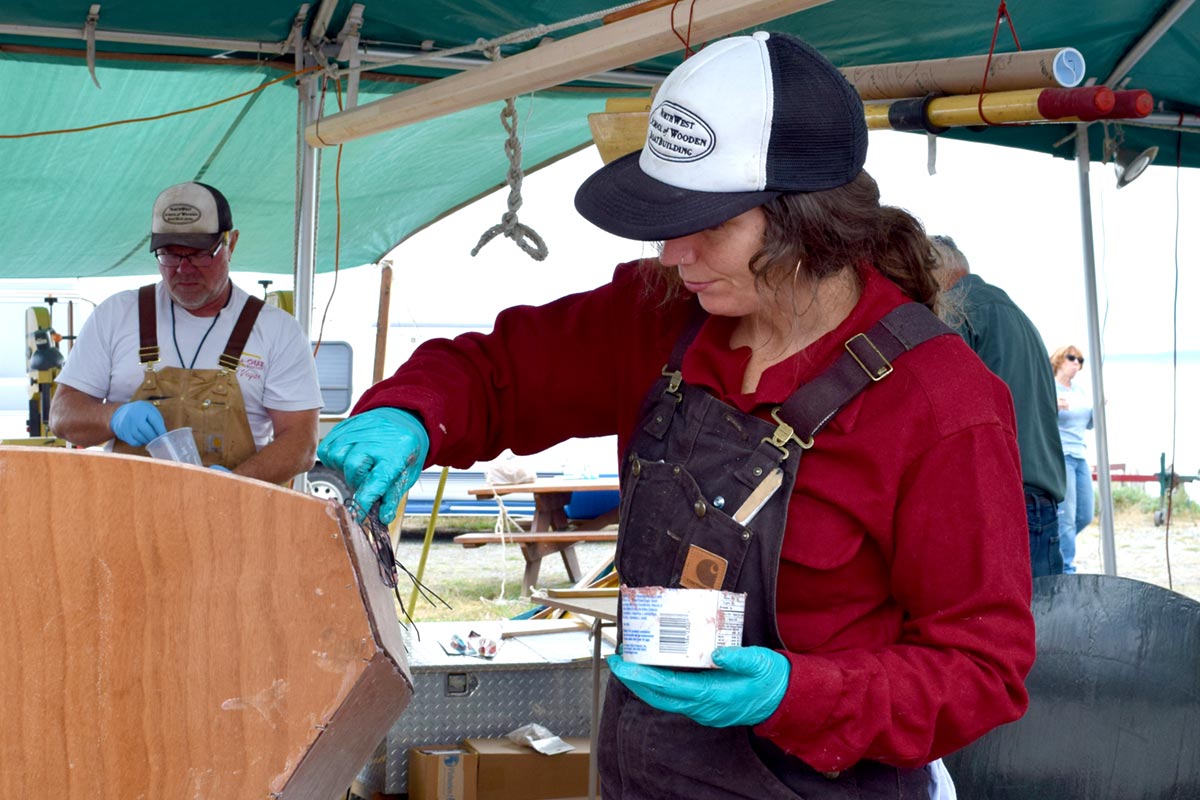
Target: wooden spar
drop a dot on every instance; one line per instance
(622, 43)
(1028, 69)
(1031, 105)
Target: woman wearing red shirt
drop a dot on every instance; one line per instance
(887, 619)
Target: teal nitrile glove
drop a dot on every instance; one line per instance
(137, 423)
(747, 688)
(381, 452)
(220, 468)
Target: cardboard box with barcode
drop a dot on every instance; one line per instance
(442, 772)
(511, 771)
(679, 627)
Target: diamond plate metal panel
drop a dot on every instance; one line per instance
(455, 697)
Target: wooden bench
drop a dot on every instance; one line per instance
(535, 545)
(550, 531)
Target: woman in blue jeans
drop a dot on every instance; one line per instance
(1074, 417)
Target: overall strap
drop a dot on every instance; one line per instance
(241, 333)
(661, 402)
(868, 359)
(147, 326)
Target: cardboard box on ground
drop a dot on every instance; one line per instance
(441, 772)
(496, 769)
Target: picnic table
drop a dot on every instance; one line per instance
(551, 531)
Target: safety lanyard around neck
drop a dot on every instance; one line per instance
(148, 330)
(203, 338)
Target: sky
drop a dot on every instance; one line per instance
(1014, 214)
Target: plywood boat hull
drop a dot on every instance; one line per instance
(174, 632)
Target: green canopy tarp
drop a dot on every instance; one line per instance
(77, 204)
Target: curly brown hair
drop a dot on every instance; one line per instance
(825, 232)
(818, 234)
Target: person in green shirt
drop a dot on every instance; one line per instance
(1009, 344)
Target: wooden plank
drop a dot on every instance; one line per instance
(614, 46)
(566, 625)
(381, 323)
(584, 591)
(173, 631)
(476, 539)
(548, 486)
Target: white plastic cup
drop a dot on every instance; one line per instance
(177, 445)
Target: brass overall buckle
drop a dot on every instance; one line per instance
(881, 369)
(785, 433)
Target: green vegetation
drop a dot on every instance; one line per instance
(1134, 499)
(472, 597)
(446, 526)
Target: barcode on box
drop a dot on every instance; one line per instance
(673, 632)
(678, 627)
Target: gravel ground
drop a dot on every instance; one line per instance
(474, 575)
(1146, 553)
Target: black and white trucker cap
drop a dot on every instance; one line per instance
(746, 119)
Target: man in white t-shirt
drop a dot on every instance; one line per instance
(194, 350)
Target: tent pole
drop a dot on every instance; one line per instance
(308, 163)
(308, 160)
(1103, 481)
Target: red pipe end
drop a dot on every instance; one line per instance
(1085, 102)
(1132, 104)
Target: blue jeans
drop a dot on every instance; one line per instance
(1045, 554)
(1077, 508)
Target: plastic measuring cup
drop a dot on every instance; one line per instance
(177, 445)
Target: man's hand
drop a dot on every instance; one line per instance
(381, 452)
(137, 423)
(747, 688)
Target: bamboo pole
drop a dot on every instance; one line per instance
(624, 42)
(433, 515)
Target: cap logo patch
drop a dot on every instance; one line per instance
(677, 134)
(180, 214)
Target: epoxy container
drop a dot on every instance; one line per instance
(679, 627)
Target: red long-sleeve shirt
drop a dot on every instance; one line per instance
(904, 582)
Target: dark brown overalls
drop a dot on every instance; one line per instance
(692, 462)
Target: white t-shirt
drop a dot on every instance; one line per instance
(277, 370)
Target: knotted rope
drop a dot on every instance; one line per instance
(526, 237)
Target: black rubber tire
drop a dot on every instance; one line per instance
(326, 483)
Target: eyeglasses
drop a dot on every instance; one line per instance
(1075, 358)
(200, 260)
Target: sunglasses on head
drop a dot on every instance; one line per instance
(1073, 357)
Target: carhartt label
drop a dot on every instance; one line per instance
(677, 134)
(679, 627)
(703, 570)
